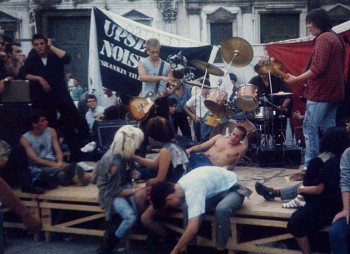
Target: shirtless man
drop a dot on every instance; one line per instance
(221, 151)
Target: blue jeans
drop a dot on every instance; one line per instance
(339, 236)
(317, 115)
(198, 160)
(290, 192)
(224, 203)
(125, 207)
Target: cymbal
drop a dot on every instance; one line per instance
(281, 93)
(210, 68)
(237, 50)
(196, 83)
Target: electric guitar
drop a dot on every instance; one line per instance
(273, 66)
(139, 107)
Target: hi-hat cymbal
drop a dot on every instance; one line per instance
(210, 68)
(281, 93)
(236, 50)
(196, 83)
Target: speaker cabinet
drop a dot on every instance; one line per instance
(279, 155)
(104, 131)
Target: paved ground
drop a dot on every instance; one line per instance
(67, 244)
(20, 243)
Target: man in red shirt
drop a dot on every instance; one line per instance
(324, 78)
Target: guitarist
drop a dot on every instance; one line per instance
(155, 74)
(324, 78)
(283, 104)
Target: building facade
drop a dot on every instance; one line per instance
(208, 21)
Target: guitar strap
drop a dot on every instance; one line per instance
(159, 74)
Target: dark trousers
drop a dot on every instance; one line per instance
(180, 121)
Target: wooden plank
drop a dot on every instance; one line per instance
(79, 231)
(260, 222)
(81, 220)
(63, 206)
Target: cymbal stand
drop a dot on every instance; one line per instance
(235, 53)
(272, 125)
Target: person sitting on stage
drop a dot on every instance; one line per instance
(205, 188)
(320, 190)
(170, 164)
(220, 151)
(116, 191)
(45, 157)
(333, 144)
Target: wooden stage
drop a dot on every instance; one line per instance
(76, 210)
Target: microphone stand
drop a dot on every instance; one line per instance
(272, 125)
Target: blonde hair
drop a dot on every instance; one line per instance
(127, 140)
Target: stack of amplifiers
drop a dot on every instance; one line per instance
(279, 155)
(104, 131)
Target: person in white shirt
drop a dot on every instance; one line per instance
(94, 110)
(206, 187)
(198, 112)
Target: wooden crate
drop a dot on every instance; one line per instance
(72, 198)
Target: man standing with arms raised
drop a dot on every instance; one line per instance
(44, 67)
(324, 78)
(154, 73)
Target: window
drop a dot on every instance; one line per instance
(273, 26)
(218, 33)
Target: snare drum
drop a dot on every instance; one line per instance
(216, 101)
(247, 97)
(262, 114)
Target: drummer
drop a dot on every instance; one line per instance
(282, 104)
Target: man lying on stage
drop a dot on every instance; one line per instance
(220, 151)
(206, 187)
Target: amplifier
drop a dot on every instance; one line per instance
(279, 155)
(104, 131)
(14, 115)
(16, 91)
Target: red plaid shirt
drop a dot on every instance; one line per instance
(328, 60)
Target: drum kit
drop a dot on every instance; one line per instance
(237, 52)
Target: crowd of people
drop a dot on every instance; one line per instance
(193, 178)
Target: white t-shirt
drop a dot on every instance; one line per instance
(197, 102)
(203, 183)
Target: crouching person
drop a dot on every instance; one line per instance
(45, 157)
(114, 180)
(208, 187)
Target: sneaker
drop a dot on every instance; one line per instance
(264, 191)
(89, 147)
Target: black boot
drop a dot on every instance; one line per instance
(264, 191)
(109, 240)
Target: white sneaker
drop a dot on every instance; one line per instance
(89, 147)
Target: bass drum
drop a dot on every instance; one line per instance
(225, 129)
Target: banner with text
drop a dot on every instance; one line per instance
(116, 46)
